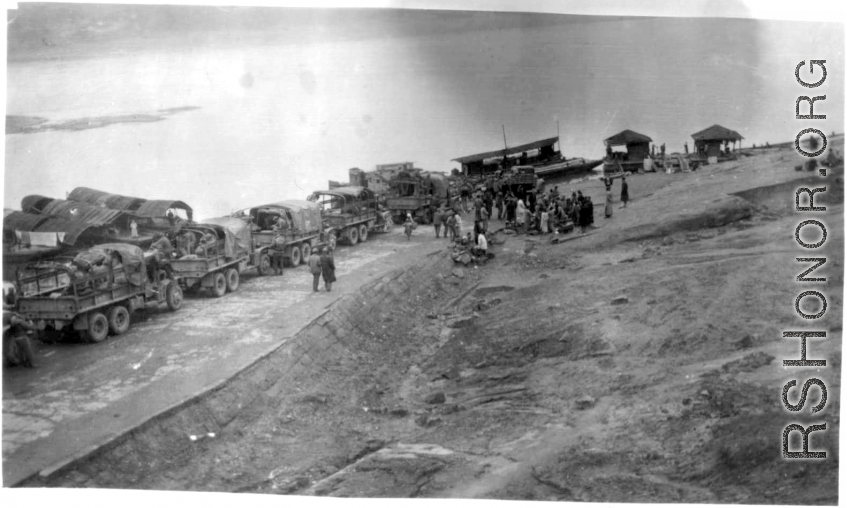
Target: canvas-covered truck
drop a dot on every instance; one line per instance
(95, 292)
(212, 255)
(350, 214)
(415, 193)
(303, 229)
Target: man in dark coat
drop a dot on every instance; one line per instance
(17, 348)
(437, 219)
(277, 252)
(624, 191)
(328, 268)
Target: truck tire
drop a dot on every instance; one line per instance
(232, 280)
(173, 296)
(363, 233)
(98, 327)
(118, 319)
(294, 255)
(219, 289)
(305, 252)
(264, 267)
(353, 235)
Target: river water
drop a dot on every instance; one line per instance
(276, 116)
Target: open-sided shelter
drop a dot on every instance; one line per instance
(637, 149)
(708, 142)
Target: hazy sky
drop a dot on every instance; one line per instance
(312, 93)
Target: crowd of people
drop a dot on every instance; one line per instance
(526, 211)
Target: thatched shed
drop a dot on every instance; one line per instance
(637, 145)
(707, 143)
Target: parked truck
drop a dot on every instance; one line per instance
(416, 193)
(350, 214)
(212, 255)
(304, 230)
(95, 292)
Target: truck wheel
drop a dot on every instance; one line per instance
(264, 267)
(363, 233)
(294, 255)
(232, 280)
(118, 319)
(98, 327)
(353, 235)
(219, 289)
(305, 252)
(173, 296)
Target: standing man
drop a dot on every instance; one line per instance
(498, 204)
(520, 215)
(277, 254)
(483, 214)
(437, 219)
(328, 268)
(482, 246)
(17, 349)
(466, 194)
(624, 191)
(408, 226)
(450, 225)
(315, 268)
(608, 202)
(133, 227)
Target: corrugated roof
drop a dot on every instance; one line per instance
(72, 230)
(81, 212)
(626, 137)
(99, 198)
(21, 221)
(159, 208)
(505, 152)
(717, 133)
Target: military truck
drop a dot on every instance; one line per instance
(95, 292)
(304, 232)
(350, 214)
(213, 254)
(415, 193)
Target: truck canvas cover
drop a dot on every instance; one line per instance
(305, 214)
(132, 258)
(238, 240)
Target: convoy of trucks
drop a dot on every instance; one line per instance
(95, 292)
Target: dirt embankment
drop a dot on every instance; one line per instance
(639, 363)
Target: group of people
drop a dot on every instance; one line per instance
(610, 197)
(322, 263)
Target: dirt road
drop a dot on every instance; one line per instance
(82, 394)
